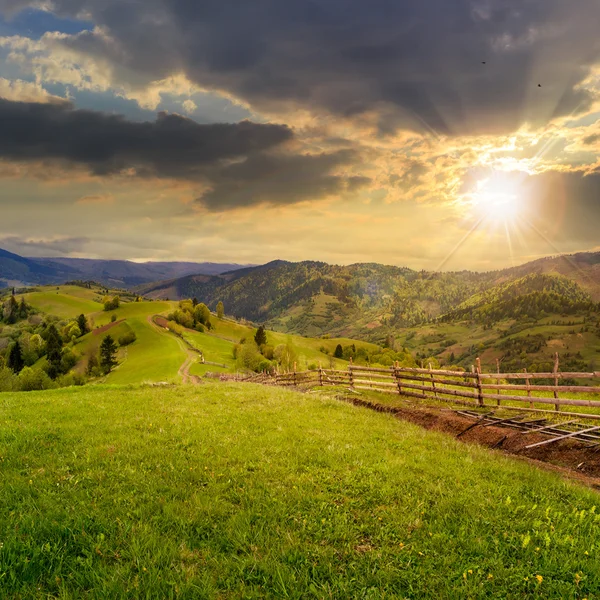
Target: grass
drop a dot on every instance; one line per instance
(154, 356)
(242, 491)
(65, 301)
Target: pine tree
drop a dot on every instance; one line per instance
(23, 309)
(339, 351)
(108, 354)
(220, 310)
(15, 358)
(54, 345)
(260, 337)
(82, 323)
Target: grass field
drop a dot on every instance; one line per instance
(154, 356)
(242, 491)
(65, 301)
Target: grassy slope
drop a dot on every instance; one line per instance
(224, 491)
(65, 301)
(155, 355)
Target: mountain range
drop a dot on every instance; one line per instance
(369, 300)
(18, 271)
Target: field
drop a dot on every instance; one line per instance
(242, 491)
(65, 301)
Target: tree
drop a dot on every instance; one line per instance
(92, 366)
(260, 336)
(339, 351)
(82, 324)
(23, 309)
(54, 345)
(15, 358)
(220, 310)
(108, 354)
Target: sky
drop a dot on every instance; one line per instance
(433, 134)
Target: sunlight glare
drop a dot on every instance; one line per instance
(496, 199)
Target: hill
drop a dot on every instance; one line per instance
(157, 354)
(18, 271)
(242, 491)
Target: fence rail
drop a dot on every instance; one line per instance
(469, 388)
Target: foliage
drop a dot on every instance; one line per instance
(15, 360)
(111, 303)
(127, 338)
(54, 346)
(220, 310)
(260, 337)
(108, 354)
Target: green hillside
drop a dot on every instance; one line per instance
(241, 491)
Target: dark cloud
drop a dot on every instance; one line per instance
(172, 146)
(417, 64)
(240, 164)
(590, 139)
(280, 179)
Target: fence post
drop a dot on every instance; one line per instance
(295, 381)
(479, 388)
(528, 384)
(397, 376)
(555, 371)
(432, 382)
(498, 366)
(320, 374)
(351, 374)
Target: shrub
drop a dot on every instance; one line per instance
(127, 338)
(8, 380)
(34, 379)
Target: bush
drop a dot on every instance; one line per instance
(127, 338)
(8, 380)
(34, 379)
(113, 318)
(71, 379)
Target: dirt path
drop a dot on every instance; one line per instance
(184, 370)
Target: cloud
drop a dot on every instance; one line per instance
(172, 146)
(26, 91)
(410, 64)
(57, 246)
(237, 164)
(280, 179)
(101, 199)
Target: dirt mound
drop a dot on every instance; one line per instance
(570, 457)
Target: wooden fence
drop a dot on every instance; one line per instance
(513, 391)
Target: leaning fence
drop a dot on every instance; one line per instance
(512, 391)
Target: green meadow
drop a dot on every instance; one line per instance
(242, 491)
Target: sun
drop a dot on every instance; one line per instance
(497, 199)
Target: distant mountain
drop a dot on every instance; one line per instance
(15, 269)
(18, 270)
(369, 301)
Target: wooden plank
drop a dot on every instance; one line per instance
(582, 389)
(539, 375)
(552, 426)
(437, 372)
(382, 383)
(442, 381)
(414, 386)
(565, 401)
(562, 437)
